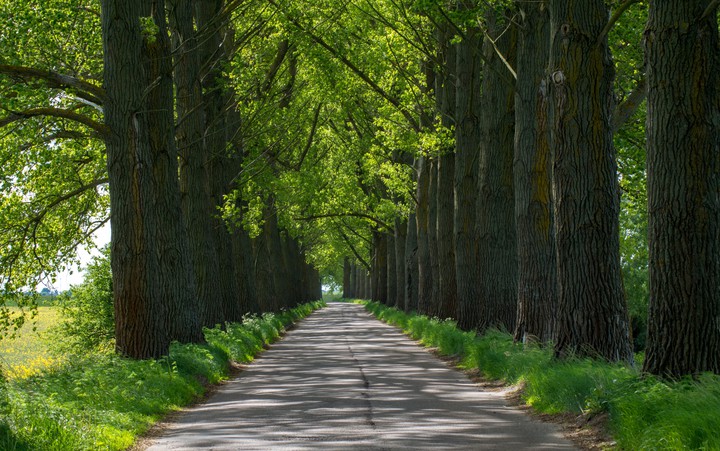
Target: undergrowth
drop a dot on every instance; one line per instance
(103, 401)
(645, 413)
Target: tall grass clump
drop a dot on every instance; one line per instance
(644, 412)
(649, 413)
(102, 401)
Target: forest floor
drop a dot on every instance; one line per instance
(344, 380)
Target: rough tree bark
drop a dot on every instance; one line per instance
(391, 270)
(467, 151)
(412, 275)
(592, 315)
(425, 276)
(153, 283)
(400, 243)
(195, 160)
(683, 147)
(533, 182)
(497, 249)
(444, 197)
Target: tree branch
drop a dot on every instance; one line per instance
(625, 110)
(85, 90)
(354, 251)
(377, 221)
(353, 68)
(311, 137)
(613, 19)
(710, 8)
(102, 129)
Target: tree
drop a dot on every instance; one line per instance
(153, 281)
(683, 139)
(495, 212)
(592, 315)
(532, 169)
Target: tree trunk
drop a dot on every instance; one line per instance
(195, 188)
(467, 152)
(497, 250)
(425, 276)
(592, 315)
(153, 283)
(400, 243)
(537, 301)
(347, 270)
(683, 144)
(445, 198)
(391, 270)
(379, 271)
(412, 275)
(434, 299)
(264, 271)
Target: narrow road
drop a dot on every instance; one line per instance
(344, 381)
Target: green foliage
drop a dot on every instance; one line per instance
(645, 412)
(103, 401)
(88, 322)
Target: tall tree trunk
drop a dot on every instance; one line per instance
(379, 271)
(264, 271)
(434, 304)
(425, 275)
(347, 271)
(536, 299)
(467, 152)
(592, 315)
(195, 188)
(153, 283)
(445, 197)
(412, 275)
(391, 270)
(683, 144)
(497, 250)
(400, 243)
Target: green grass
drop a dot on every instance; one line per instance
(103, 402)
(645, 413)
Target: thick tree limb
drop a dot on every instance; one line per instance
(625, 110)
(354, 251)
(311, 137)
(614, 18)
(102, 129)
(710, 9)
(84, 90)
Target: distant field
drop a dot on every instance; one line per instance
(28, 352)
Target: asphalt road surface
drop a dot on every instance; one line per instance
(342, 380)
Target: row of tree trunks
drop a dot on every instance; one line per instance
(176, 266)
(534, 248)
(358, 282)
(153, 278)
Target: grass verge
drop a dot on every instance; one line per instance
(645, 413)
(104, 402)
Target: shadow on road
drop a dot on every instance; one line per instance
(343, 380)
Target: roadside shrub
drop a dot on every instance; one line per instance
(88, 317)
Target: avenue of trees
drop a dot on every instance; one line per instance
(545, 167)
